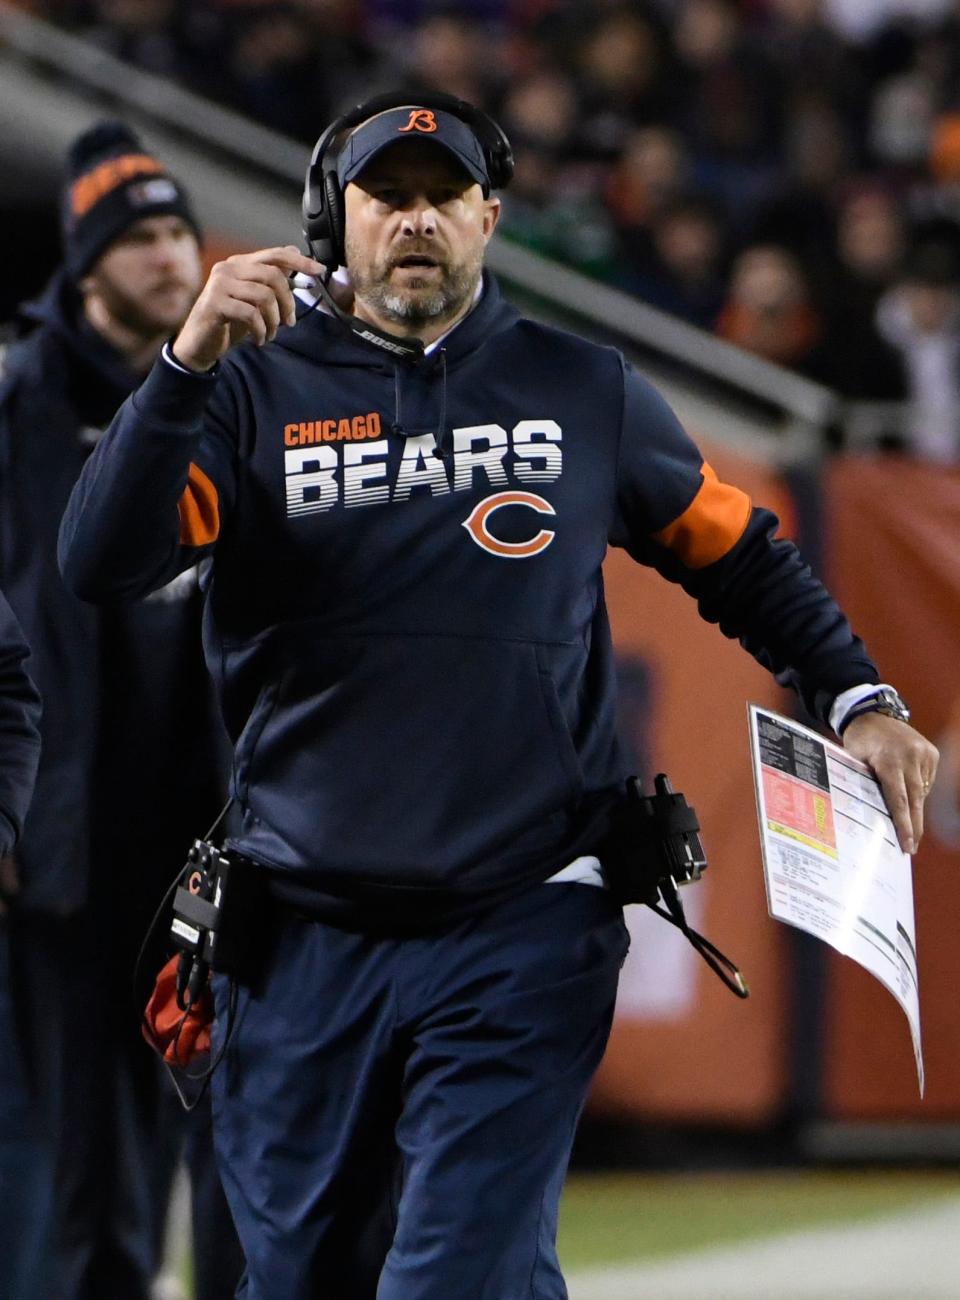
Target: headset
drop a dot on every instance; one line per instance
(323, 206)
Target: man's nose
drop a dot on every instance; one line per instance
(165, 251)
(420, 218)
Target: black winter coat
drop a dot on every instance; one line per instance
(128, 768)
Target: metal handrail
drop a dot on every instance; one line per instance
(801, 399)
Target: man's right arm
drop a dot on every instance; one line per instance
(151, 499)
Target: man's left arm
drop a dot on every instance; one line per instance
(674, 514)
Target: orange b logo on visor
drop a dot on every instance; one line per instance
(421, 119)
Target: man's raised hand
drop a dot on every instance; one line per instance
(247, 296)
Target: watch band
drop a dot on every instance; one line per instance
(886, 701)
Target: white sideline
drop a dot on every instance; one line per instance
(912, 1256)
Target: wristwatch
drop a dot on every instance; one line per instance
(886, 701)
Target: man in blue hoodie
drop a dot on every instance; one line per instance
(129, 765)
(407, 511)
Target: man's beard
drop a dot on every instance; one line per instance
(416, 303)
(136, 313)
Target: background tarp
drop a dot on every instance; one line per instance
(893, 559)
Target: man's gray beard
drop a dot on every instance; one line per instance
(413, 308)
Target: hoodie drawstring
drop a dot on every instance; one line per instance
(397, 426)
(440, 437)
(442, 430)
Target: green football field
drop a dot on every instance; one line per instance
(629, 1218)
(632, 1219)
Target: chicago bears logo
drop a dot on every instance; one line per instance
(421, 119)
(479, 518)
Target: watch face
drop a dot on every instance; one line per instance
(893, 705)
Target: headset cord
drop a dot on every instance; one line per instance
(204, 1077)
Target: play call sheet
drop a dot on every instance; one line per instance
(831, 860)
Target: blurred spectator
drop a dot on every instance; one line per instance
(937, 196)
(684, 274)
(901, 118)
(624, 71)
(450, 53)
(728, 107)
(141, 31)
(551, 205)
(271, 71)
(801, 211)
(813, 66)
(651, 174)
(769, 309)
(871, 237)
(920, 317)
(861, 19)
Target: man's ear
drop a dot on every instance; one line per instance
(491, 215)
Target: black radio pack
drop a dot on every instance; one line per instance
(656, 838)
(653, 849)
(216, 909)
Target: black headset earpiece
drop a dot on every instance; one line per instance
(323, 204)
(317, 229)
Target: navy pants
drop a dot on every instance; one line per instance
(394, 1116)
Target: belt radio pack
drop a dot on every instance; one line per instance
(215, 913)
(653, 850)
(218, 908)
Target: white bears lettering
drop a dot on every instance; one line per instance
(322, 476)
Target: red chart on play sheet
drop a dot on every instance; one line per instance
(794, 806)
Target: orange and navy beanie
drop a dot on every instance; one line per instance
(112, 182)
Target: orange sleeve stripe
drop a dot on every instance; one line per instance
(711, 525)
(199, 510)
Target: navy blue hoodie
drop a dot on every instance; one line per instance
(129, 762)
(406, 621)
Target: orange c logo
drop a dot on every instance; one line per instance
(421, 119)
(476, 525)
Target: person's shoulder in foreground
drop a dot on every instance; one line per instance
(19, 730)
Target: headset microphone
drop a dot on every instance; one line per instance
(411, 349)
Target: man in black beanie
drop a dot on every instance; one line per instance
(129, 772)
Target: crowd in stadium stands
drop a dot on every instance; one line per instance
(785, 173)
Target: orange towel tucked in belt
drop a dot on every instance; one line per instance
(178, 1036)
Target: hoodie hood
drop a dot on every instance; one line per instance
(100, 372)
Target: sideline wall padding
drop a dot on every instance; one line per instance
(893, 558)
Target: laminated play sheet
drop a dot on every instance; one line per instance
(831, 860)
